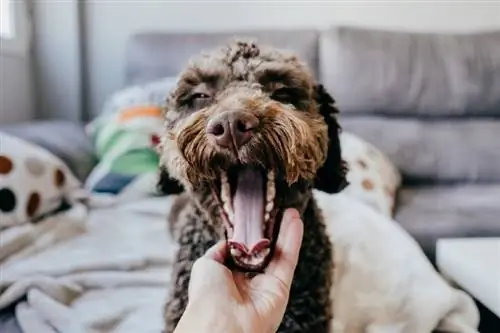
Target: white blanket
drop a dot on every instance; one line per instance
(107, 270)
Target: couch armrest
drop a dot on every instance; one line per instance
(65, 139)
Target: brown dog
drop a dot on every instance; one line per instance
(249, 133)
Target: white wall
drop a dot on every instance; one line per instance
(16, 97)
(57, 52)
(109, 23)
(16, 84)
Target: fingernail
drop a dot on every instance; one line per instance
(292, 213)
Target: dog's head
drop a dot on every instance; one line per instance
(248, 133)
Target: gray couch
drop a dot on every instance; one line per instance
(431, 102)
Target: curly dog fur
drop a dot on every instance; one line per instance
(298, 137)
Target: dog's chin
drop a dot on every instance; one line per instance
(246, 195)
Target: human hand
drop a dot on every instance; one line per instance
(224, 301)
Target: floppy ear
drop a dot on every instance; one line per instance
(331, 177)
(167, 185)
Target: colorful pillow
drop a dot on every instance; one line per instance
(151, 93)
(33, 182)
(372, 177)
(126, 147)
(125, 137)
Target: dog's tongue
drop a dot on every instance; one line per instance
(248, 205)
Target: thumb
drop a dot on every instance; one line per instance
(217, 252)
(208, 271)
(288, 246)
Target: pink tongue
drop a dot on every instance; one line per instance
(248, 208)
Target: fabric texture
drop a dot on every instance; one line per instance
(372, 177)
(64, 139)
(434, 152)
(107, 269)
(33, 182)
(433, 212)
(103, 269)
(125, 138)
(152, 92)
(151, 56)
(420, 74)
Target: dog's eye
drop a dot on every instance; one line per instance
(199, 96)
(284, 95)
(198, 100)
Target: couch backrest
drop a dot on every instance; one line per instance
(154, 55)
(412, 74)
(430, 101)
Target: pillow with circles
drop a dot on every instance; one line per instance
(372, 177)
(33, 181)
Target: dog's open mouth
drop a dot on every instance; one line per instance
(247, 197)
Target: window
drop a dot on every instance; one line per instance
(13, 27)
(5, 19)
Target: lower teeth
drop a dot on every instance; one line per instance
(235, 252)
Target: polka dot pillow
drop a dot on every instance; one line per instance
(33, 182)
(372, 177)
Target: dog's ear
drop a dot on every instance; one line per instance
(167, 185)
(331, 177)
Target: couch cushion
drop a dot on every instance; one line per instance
(426, 74)
(64, 139)
(439, 151)
(429, 213)
(154, 55)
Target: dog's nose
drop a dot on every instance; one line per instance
(232, 128)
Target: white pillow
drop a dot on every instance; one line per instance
(33, 181)
(373, 178)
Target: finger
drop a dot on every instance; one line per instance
(217, 252)
(284, 262)
(208, 272)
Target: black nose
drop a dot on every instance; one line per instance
(232, 128)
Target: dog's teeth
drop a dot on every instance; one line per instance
(235, 252)
(271, 192)
(225, 197)
(223, 178)
(226, 194)
(229, 211)
(262, 254)
(226, 189)
(269, 207)
(270, 178)
(266, 217)
(226, 204)
(224, 182)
